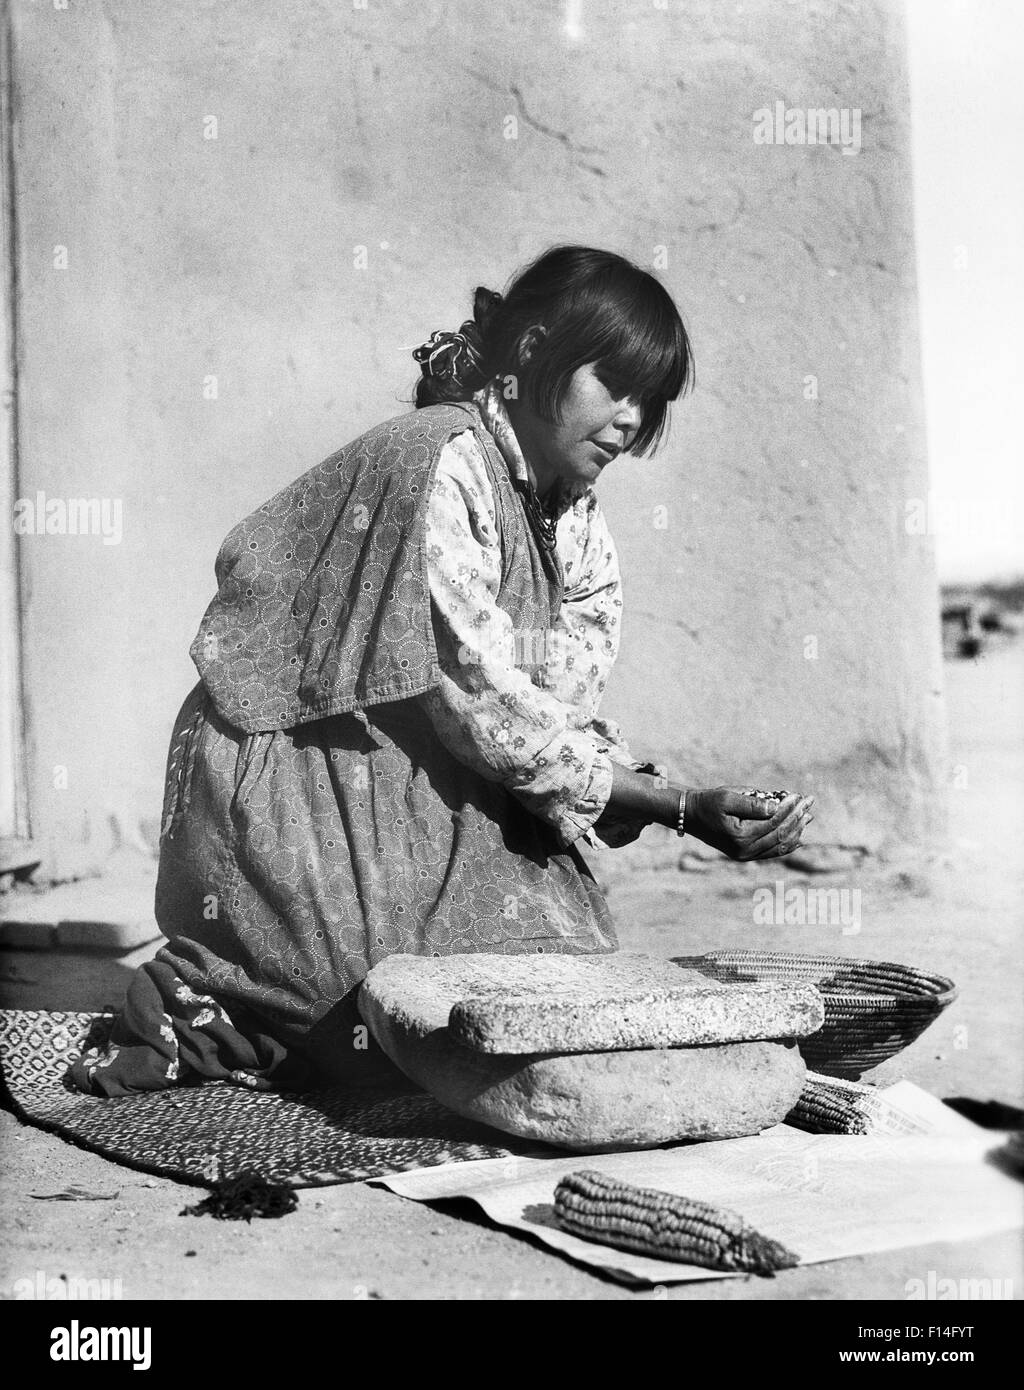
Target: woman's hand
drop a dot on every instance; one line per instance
(744, 826)
(740, 823)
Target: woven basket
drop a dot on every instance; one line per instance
(873, 1008)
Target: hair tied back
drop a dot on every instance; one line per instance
(453, 365)
(447, 356)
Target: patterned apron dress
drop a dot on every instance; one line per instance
(313, 822)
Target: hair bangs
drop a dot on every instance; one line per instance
(648, 356)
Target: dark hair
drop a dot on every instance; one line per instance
(595, 307)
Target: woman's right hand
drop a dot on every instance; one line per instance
(745, 827)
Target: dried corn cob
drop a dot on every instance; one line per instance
(831, 1107)
(596, 1207)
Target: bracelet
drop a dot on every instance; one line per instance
(680, 823)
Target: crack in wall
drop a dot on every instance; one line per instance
(549, 132)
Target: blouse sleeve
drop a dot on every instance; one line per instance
(586, 643)
(486, 709)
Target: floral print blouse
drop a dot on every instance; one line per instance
(522, 709)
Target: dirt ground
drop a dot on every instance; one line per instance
(961, 916)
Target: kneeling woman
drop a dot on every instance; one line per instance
(395, 744)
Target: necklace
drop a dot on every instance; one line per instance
(540, 517)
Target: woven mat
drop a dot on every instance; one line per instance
(197, 1134)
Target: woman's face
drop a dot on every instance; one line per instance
(594, 428)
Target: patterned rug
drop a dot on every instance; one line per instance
(198, 1134)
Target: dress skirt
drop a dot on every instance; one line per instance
(292, 861)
